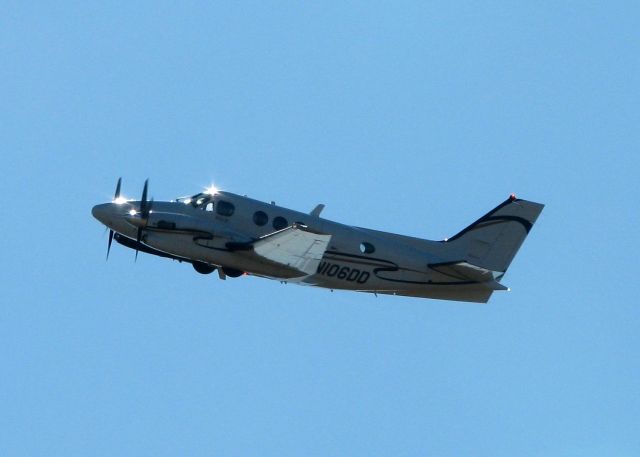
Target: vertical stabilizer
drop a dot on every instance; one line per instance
(492, 241)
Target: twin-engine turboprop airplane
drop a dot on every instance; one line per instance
(238, 235)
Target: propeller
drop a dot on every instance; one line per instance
(145, 209)
(143, 215)
(115, 197)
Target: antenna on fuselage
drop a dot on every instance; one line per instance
(315, 212)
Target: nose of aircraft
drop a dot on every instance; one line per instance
(103, 213)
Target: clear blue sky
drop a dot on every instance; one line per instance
(415, 117)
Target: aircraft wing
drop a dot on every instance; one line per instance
(295, 247)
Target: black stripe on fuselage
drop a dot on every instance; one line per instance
(393, 267)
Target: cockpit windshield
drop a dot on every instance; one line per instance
(201, 200)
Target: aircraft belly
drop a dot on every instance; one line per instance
(475, 293)
(469, 292)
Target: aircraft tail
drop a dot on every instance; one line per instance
(492, 241)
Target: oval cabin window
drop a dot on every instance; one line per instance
(279, 223)
(260, 218)
(224, 208)
(367, 248)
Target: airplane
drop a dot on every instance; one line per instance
(236, 235)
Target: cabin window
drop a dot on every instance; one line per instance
(279, 223)
(367, 248)
(224, 208)
(209, 206)
(260, 218)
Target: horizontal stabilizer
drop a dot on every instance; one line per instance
(468, 272)
(495, 285)
(295, 247)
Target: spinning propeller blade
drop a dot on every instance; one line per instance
(117, 195)
(143, 201)
(145, 209)
(110, 241)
